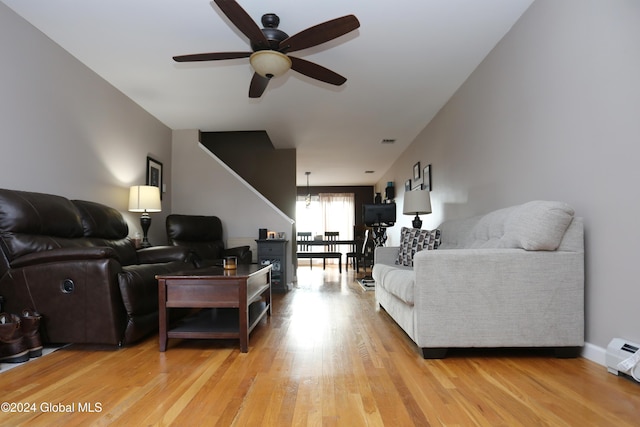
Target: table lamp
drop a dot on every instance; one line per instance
(145, 199)
(416, 203)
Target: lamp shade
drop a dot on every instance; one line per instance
(144, 198)
(270, 63)
(416, 203)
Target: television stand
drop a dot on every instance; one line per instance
(379, 239)
(379, 235)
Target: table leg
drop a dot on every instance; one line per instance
(244, 328)
(268, 297)
(162, 315)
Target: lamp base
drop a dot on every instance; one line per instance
(145, 223)
(417, 222)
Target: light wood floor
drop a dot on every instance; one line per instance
(327, 357)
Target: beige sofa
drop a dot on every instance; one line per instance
(511, 278)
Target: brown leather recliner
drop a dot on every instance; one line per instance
(203, 235)
(73, 262)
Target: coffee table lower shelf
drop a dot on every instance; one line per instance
(217, 323)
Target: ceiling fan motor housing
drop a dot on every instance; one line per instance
(270, 21)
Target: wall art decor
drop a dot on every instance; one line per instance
(417, 177)
(426, 178)
(154, 174)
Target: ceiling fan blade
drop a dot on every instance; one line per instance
(211, 56)
(316, 71)
(258, 85)
(320, 33)
(241, 19)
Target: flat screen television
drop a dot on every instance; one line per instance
(379, 215)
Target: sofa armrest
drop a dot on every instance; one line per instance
(64, 254)
(242, 252)
(386, 255)
(75, 291)
(157, 254)
(499, 297)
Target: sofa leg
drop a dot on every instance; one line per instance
(567, 352)
(434, 353)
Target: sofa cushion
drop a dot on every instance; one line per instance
(102, 221)
(488, 231)
(40, 214)
(398, 281)
(104, 226)
(534, 226)
(537, 225)
(413, 240)
(32, 222)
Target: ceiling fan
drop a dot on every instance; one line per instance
(271, 47)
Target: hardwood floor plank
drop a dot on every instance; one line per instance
(327, 357)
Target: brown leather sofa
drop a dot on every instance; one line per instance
(71, 260)
(203, 235)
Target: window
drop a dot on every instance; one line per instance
(327, 212)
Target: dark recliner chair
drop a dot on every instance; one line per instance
(71, 261)
(203, 236)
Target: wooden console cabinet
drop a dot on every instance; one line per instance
(274, 252)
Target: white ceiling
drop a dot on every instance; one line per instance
(402, 65)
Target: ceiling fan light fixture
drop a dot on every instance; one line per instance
(270, 63)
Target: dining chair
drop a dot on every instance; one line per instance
(331, 250)
(331, 235)
(304, 250)
(304, 236)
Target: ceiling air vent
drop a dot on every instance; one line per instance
(388, 141)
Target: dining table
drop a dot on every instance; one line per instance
(308, 246)
(313, 242)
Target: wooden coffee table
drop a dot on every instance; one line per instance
(238, 300)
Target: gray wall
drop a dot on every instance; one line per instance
(64, 130)
(552, 113)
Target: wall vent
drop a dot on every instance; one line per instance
(388, 141)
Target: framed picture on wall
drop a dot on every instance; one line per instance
(417, 176)
(154, 174)
(426, 177)
(407, 185)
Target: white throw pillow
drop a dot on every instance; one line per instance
(537, 225)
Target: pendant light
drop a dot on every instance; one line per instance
(307, 199)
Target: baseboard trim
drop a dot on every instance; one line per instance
(595, 354)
